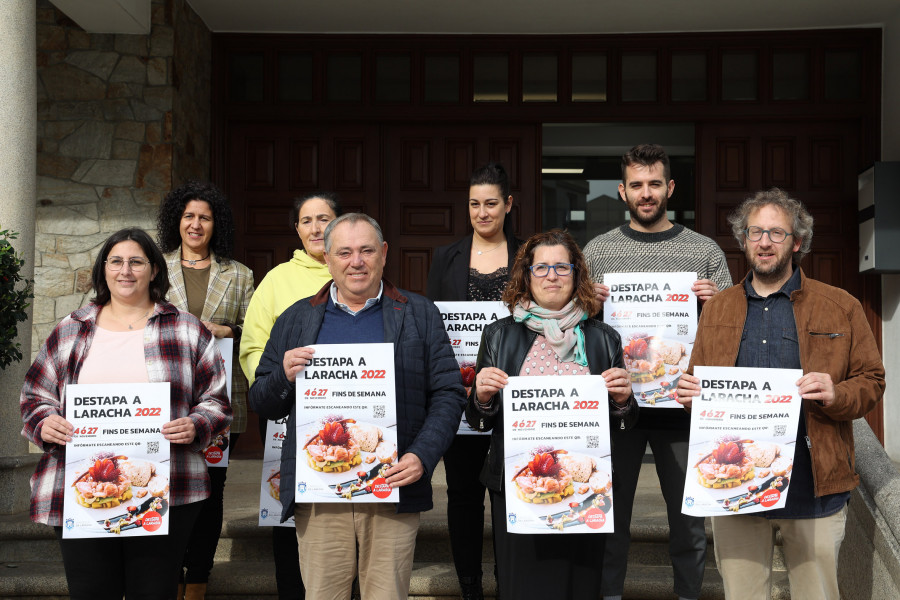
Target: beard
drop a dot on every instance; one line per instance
(647, 220)
(775, 271)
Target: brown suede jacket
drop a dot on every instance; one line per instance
(834, 338)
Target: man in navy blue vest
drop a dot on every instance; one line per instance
(375, 540)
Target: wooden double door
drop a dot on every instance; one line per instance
(413, 179)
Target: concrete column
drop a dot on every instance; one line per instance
(18, 134)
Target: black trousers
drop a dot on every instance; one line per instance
(286, 553)
(201, 548)
(687, 536)
(545, 566)
(136, 568)
(465, 501)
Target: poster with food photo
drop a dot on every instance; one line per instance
(558, 474)
(656, 315)
(219, 448)
(464, 322)
(346, 424)
(117, 464)
(270, 490)
(743, 433)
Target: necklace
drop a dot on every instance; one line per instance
(192, 262)
(480, 252)
(143, 316)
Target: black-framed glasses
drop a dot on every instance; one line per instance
(561, 269)
(136, 264)
(777, 235)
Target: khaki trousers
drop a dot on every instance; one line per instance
(328, 536)
(744, 545)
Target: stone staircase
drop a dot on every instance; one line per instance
(31, 567)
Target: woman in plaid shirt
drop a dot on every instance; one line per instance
(128, 317)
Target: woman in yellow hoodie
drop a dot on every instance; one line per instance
(298, 278)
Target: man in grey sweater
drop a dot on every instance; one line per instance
(651, 243)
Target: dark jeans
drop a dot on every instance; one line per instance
(286, 553)
(201, 549)
(138, 568)
(465, 501)
(545, 566)
(687, 536)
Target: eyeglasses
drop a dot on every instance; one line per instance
(777, 235)
(561, 269)
(136, 264)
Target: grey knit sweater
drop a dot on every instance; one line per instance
(624, 250)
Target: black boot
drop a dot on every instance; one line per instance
(471, 588)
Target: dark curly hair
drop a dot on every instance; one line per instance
(169, 218)
(518, 288)
(159, 284)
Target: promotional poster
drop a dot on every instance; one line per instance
(656, 315)
(464, 322)
(270, 492)
(743, 434)
(117, 464)
(346, 424)
(557, 455)
(218, 451)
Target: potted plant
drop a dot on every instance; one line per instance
(15, 293)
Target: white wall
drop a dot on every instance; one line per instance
(890, 284)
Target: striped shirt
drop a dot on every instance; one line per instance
(177, 349)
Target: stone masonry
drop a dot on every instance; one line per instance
(121, 118)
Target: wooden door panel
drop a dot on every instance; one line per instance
(426, 190)
(272, 163)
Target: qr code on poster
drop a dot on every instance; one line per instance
(152, 447)
(780, 430)
(378, 411)
(682, 329)
(593, 441)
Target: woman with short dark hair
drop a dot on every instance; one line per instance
(127, 323)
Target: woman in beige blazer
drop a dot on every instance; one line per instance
(196, 235)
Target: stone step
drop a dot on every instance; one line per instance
(255, 579)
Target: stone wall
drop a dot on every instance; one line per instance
(108, 127)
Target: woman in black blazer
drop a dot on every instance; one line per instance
(474, 268)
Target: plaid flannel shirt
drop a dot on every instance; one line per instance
(227, 298)
(177, 349)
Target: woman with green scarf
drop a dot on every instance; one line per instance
(550, 296)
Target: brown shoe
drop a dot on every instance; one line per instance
(195, 591)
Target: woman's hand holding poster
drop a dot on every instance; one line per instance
(557, 463)
(117, 464)
(743, 433)
(346, 424)
(464, 322)
(656, 315)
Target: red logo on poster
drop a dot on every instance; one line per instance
(380, 488)
(595, 518)
(151, 520)
(213, 454)
(769, 497)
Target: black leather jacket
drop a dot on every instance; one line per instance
(504, 344)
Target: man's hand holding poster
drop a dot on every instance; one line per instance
(743, 432)
(656, 315)
(346, 424)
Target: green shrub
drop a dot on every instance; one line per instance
(15, 292)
